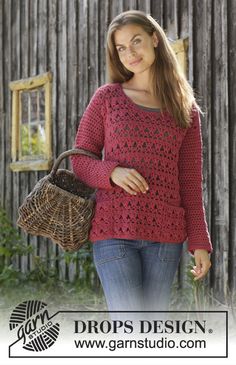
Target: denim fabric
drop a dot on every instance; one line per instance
(136, 274)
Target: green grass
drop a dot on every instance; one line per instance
(59, 295)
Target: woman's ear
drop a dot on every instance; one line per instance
(155, 39)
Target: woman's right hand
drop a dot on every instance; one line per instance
(129, 179)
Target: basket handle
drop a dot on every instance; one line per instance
(77, 151)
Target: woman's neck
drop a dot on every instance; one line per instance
(138, 82)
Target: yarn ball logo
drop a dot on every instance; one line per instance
(34, 325)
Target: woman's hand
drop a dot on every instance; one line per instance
(202, 262)
(129, 179)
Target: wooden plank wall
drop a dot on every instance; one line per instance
(67, 37)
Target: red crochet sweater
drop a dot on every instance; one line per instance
(167, 156)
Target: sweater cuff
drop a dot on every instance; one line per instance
(110, 165)
(192, 248)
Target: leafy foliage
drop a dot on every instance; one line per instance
(32, 140)
(194, 294)
(11, 242)
(43, 280)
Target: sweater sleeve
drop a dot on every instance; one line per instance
(90, 136)
(190, 179)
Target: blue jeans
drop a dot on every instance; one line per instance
(136, 274)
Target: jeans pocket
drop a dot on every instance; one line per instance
(108, 250)
(170, 252)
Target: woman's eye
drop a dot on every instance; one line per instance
(119, 49)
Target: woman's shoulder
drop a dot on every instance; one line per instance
(104, 93)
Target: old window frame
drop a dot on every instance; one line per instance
(18, 86)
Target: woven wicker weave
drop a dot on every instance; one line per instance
(60, 207)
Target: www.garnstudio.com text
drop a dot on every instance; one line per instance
(144, 327)
(163, 342)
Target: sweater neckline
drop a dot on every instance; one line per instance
(138, 106)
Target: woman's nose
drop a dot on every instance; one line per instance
(130, 51)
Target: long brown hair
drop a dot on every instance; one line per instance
(169, 83)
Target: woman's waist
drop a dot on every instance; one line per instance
(158, 195)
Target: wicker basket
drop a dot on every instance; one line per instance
(60, 207)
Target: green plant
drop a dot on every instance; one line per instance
(11, 243)
(43, 280)
(32, 140)
(193, 295)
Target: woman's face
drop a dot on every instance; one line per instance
(135, 47)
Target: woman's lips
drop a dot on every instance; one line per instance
(135, 62)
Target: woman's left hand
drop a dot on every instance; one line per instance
(202, 262)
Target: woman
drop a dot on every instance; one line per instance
(149, 197)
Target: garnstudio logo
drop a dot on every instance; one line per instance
(34, 325)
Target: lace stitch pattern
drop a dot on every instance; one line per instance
(167, 156)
